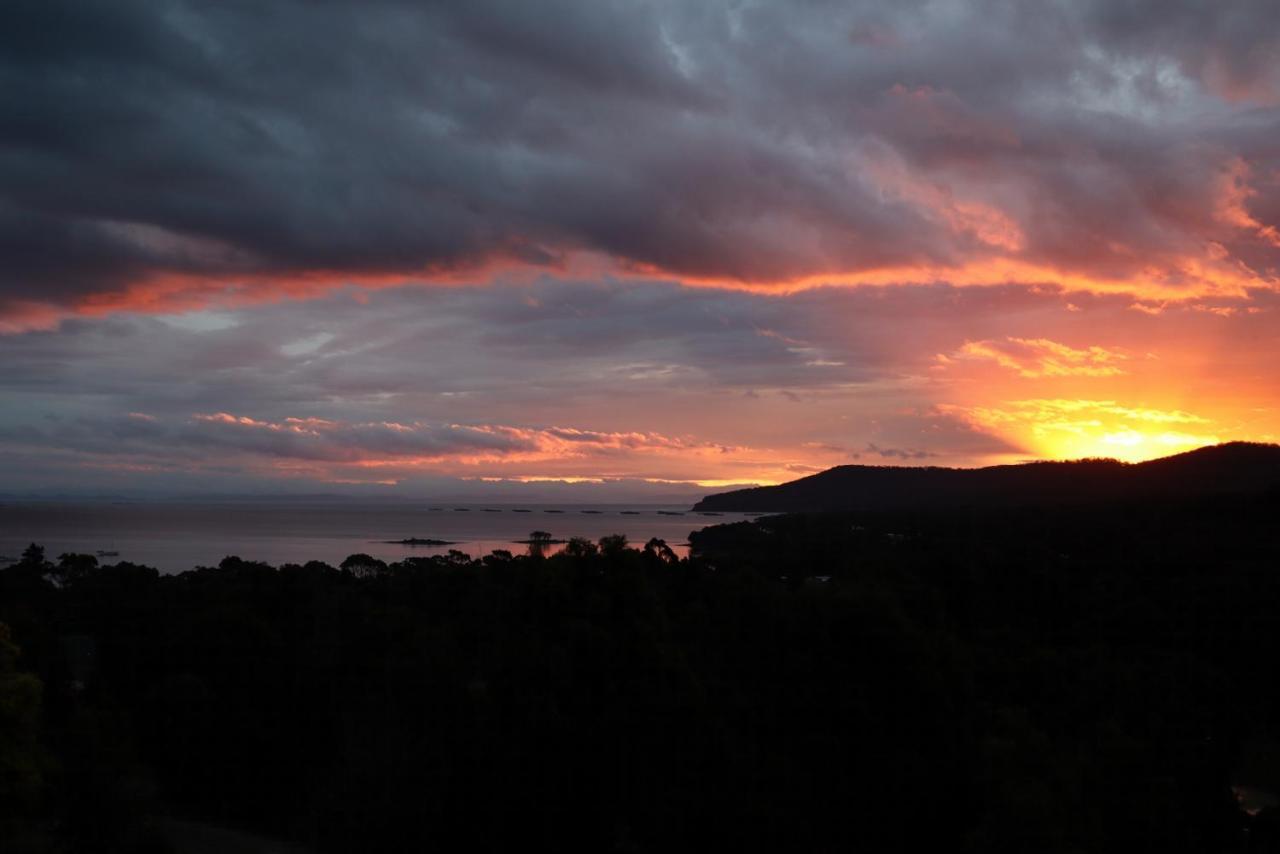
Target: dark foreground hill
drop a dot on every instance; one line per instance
(1099, 679)
(1235, 468)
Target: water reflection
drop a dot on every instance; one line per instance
(178, 536)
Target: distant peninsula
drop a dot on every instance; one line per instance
(1227, 469)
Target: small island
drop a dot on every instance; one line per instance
(420, 541)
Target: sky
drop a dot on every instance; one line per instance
(627, 250)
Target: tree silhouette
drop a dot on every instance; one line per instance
(538, 543)
(73, 567)
(32, 557)
(612, 545)
(580, 547)
(362, 565)
(658, 548)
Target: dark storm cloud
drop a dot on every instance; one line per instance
(1231, 46)
(243, 142)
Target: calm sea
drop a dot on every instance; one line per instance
(174, 537)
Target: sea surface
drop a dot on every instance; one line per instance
(177, 536)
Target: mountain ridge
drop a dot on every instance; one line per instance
(1228, 468)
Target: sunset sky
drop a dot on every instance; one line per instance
(627, 249)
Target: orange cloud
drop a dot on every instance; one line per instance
(379, 452)
(313, 443)
(1231, 204)
(1034, 358)
(1184, 278)
(942, 202)
(26, 316)
(997, 258)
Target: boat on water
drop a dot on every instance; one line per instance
(670, 512)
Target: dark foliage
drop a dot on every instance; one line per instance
(1093, 679)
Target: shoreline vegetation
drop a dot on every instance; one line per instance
(1052, 677)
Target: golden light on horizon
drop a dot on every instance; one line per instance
(1127, 445)
(1066, 429)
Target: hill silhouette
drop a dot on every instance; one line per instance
(1227, 469)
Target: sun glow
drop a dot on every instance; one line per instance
(1127, 444)
(1076, 429)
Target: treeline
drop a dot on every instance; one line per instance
(1072, 680)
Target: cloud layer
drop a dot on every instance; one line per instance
(622, 379)
(172, 154)
(657, 242)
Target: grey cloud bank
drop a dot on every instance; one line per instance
(235, 143)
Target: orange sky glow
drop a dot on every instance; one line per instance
(823, 249)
